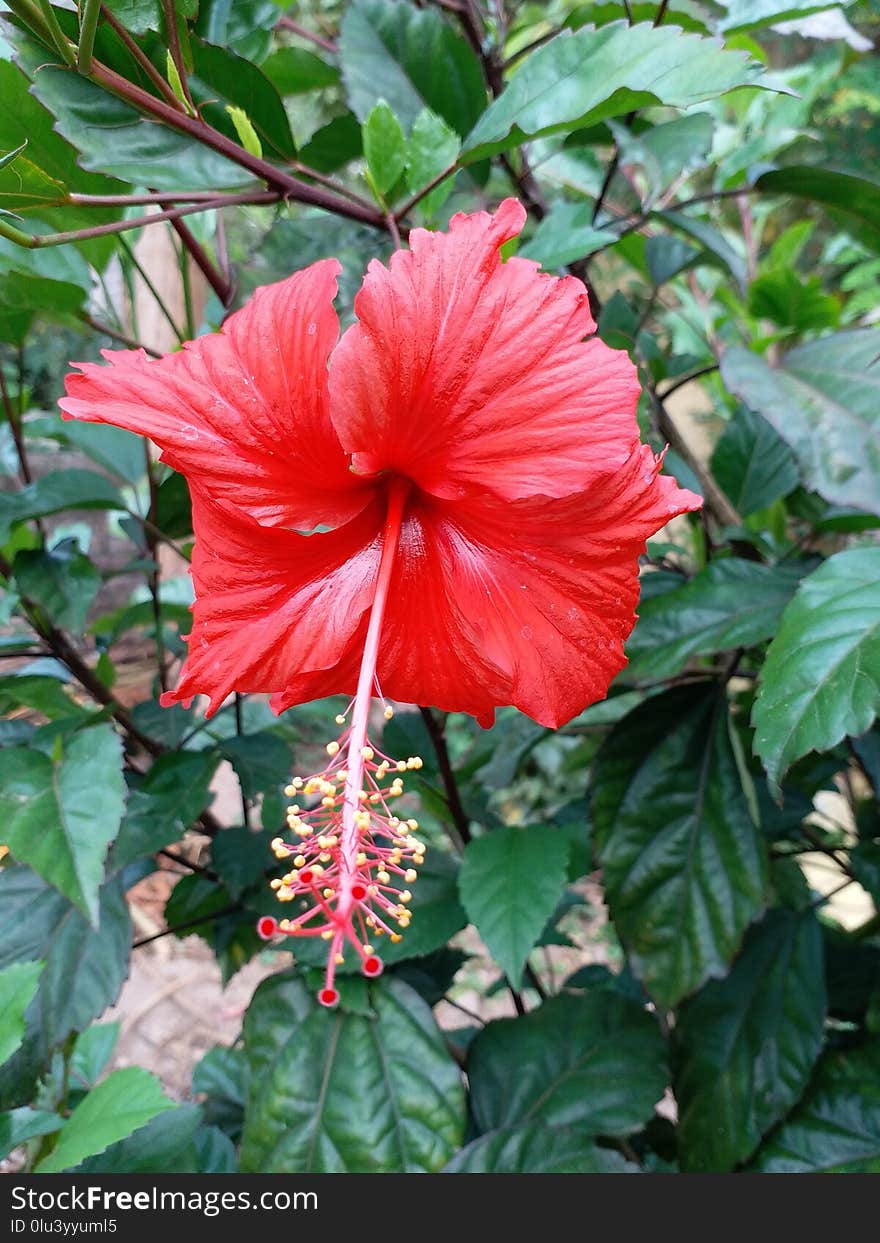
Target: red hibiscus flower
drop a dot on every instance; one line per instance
(450, 501)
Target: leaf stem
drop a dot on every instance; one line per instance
(437, 732)
(90, 12)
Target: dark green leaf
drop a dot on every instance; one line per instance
(855, 197)
(334, 144)
(667, 256)
(535, 1148)
(822, 400)
(123, 1102)
(749, 14)
(163, 1146)
(163, 805)
(215, 1152)
(510, 881)
(753, 464)
(62, 581)
(245, 25)
(344, 1092)
(221, 78)
(91, 1053)
(578, 79)
(60, 817)
(173, 514)
(294, 71)
(23, 297)
(262, 761)
(729, 604)
(221, 1076)
(413, 58)
(241, 857)
(596, 1062)
(821, 678)
(747, 1044)
(793, 301)
(684, 865)
(712, 241)
(432, 148)
(63, 489)
(836, 1127)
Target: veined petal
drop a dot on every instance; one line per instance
(466, 374)
(526, 603)
(276, 611)
(242, 412)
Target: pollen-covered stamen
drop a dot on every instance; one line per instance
(352, 857)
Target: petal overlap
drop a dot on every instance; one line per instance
(466, 374)
(243, 413)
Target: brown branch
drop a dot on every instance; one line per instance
(107, 331)
(222, 286)
(172, 36)
(447, 774)
(287, 23)
(144, 62)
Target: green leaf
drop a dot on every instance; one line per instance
(821, 679)
(683, 861)
(792, 301)
(294, 71)
(112, 136)
(667, 256)
(334, 144)
(262, 761)
(124, 1101)
(596, 1062)
(384, 147)
(225, 83)
(753, 464)
(748, 1043)
(712, 241)
(85, 966)
(853, 197)
(165, 1145)
(432, 148)
(413, 58)
(163, 805)
(245, 26)
(18, 984)
(338, 1092)
(60, 817)
(511, 880)
(25, 187)
(23, 296)
(63, 489)
(535, 1148)
(822, 400)
(84, 970)
(20, 1125)
(578, 79)
(566, 235)
(62, 581)
(241, 857)
(46, 695)
(750, 14)
(221, 1077)
(836, 1127)
(731, 603)
(91, 1053)
(666, 151)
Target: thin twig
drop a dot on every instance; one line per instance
(144, 62)
(106, 331)
(447, 774)
(287, 23)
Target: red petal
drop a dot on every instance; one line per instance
(465, 373)
(276, 611)
(526, 603)
(242, 412)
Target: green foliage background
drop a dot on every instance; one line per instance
(712, 176)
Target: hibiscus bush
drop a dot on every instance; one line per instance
(565, 312)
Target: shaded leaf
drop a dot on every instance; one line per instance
(753, 464)
(748, 1043)
(61, 580)
(596, 1062)
(535, 1148)
(343, 1092)
(684, 865)
(18, 984)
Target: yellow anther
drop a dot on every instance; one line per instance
(328, 893)
(414, 761)
(410, 875)
(275, 884)
(393, 822)
(332, 748)
(402, 829)
(339, 960)
(277, 844)
(327, 934)
(294, 809)
(368, 949)
(318, 870)
(367, 753)
(401, 766)
(284, 924)
(361, 859)
(299, 861)
(374, 798)
(412, 824)
(418, 860)
(325, 856)
(395, 937)
(303, 830)
(284, 894)
(395, 856)
(290, 791)
(370, 922)
(405, 896)
(389, 713)
(372, 890)
(342, 775)
(383, 877)
(328, 801)
(340, 719)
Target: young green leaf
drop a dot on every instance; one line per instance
(18, 984)
(384, 148)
